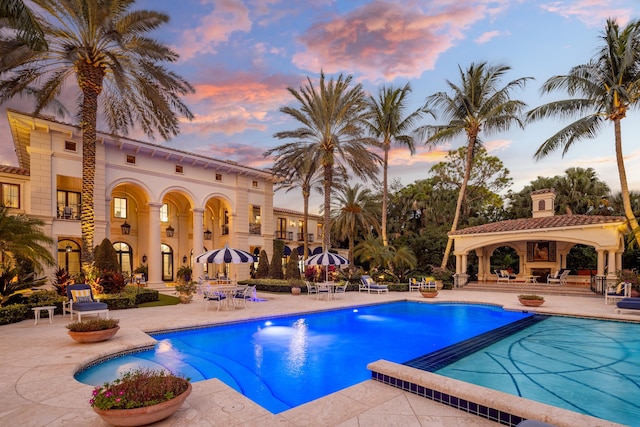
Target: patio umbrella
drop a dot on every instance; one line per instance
(225, 255)
(326, 258)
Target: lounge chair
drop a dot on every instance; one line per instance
(628, 304)
(504, 276)
(618, 292)
(560, 277)
(367, 284)
(80, 301)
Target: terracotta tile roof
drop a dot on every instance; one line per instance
(13, 169)
(523, 224)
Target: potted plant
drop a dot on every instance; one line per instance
(140, 397)
(185, 291)
(531, 300)
(430, 292)
(296, 286)
(184, 273)
(94, 330)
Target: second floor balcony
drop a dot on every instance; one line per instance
(284, 235)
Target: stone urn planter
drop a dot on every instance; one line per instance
(531, 300)
(94, 330)
(146, 414)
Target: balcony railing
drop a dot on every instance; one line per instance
(254, 229)
(68, 211)
(301, 237)
(284, 235)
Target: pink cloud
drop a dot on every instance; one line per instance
(384, 40)
(592, 12)
(488, 36)
(235, 102)
(226, 17)
(243, 154)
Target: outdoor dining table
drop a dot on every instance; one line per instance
(326, 288)
(229, 292)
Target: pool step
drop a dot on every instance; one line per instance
(440, 358)
(544, 289)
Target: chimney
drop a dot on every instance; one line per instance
(543, 203)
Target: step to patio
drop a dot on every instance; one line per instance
(580, 290)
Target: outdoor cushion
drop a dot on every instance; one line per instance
(629, 303)
(89, 306)
(79, 293)
(86, 298)
(620, 288)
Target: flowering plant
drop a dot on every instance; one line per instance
(138, 388)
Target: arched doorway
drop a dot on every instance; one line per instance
(125, 257)
(505, 258)
(69, 256)
(167, 263)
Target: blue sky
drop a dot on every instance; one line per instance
(242, 55)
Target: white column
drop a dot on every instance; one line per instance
(480, 254)
(198, 241)
(618, 261)
(464, 263)
(600, 262)
(458, 264)
(154, 260)
(611, 270)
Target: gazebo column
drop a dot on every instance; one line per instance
(464, 263)
(618, 260)
(480, 255)
(458, 263)
(611, 269)
(600, 266)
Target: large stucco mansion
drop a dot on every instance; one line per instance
(159, 206)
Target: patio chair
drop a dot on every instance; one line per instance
(560, 277)
(618, 292)
(367, 284)
(212, 295)
(340, 289)
(245, 294)
(312, 288)
(504, 276)
(414, 285)
(324, 289)
(80, 301)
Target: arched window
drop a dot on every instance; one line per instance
(125, 257)
(69, 256)
(541, 205)
(167, 263)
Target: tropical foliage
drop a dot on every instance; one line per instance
(101, 46)
(477, 104)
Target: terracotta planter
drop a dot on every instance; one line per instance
(185, 298)
(429, 294)
(296, 291)
(531, 302)
(143, 416)
(94, 336)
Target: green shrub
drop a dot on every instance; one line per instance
(13, 313)
(93, 325)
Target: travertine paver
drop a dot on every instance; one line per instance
(38, 363)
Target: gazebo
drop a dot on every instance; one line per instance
(543, 241)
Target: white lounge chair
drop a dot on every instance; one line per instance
(367, 284)
(504, 276)
(617, 292)
(560, 277)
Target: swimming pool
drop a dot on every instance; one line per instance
(584, 365)
(284, 362)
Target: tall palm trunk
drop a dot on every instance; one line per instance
(328, 179)
(624, 186)
(305, 217)
(90, 82)
(463, 189)
(385, 193)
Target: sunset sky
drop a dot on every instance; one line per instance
(242, 55)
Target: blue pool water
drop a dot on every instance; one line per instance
(284, 362)
(584, 365)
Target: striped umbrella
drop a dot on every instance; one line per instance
(326, 258)
(225, 255)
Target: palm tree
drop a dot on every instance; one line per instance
(332, 118)
(354, 208)
(389, 124)
(603, 89)
(299, 172)
(103, 46)
(372, 250)
(22, 237)
(20, 17)
(476, 105)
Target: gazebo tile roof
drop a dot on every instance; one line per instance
(525, 224)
